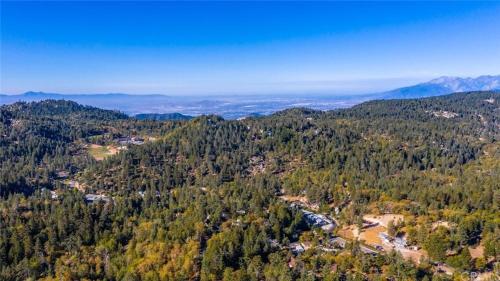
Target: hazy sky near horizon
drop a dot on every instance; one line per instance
(202, 48)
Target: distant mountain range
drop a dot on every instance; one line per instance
(163, 116)
(445, 85)
(161, 107)
(229, 107)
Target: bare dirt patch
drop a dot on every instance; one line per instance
(350, 232)
(371, 235)
(292, 198)
(444, 224)
(413, 255)
(384, 220)
(476, 252)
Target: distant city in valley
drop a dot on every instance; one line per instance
(240, 106)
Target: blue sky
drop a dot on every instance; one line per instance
(236, 48)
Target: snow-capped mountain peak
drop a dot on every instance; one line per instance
(446, 85)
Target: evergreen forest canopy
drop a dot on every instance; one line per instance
(91, 194)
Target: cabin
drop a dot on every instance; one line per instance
(274, 243)
(296, 248)
(53, 194)
(93, 198)
(130, 140)
(385, 238)
(338, 242)
(318, 220)
(62, 174)
(399, 242)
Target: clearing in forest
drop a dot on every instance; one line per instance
(99, 152)
(384, 220)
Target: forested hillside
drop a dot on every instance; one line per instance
(91, 194)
